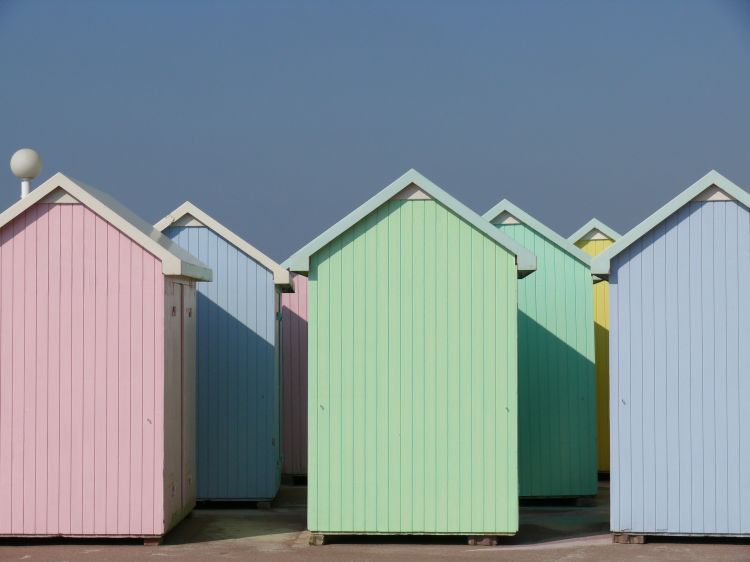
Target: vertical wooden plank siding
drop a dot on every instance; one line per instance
(70, 424)
(238, 393)
(556, 379)
(179, 400)
(412, 377)
(601, 354)
(680, 321)
(294, 378)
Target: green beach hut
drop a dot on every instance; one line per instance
(412, 368)
(556, 377)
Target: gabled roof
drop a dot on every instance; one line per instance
(175, 260)
(592, 227)
(525, 260)
(710, 180)
(181, 217)
(509, 208)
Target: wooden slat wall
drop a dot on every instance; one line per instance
(412, 377)
(238, 381)
(680, 375)
(81, 366)
(556, 377)
(601, 352)
(294, 379)
(179, 400)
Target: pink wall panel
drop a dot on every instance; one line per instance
(6, 382)
(71, 521)
(81, 377)
(294, 378)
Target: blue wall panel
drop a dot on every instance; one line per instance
(238, 383)
(680, 375)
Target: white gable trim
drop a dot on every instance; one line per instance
(594, 234)
(505, 208)
(714, 193)
(60, 197)
(174, 260)
(711, 179)
(188, 214)
(187, 220)
(412, 193)
(505, 218)
(525, 260)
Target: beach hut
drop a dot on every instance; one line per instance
(97, 365)
(556, 379)
(294, 380)
(412, 368)
(238, 366)
(680, 366)
(593, 238)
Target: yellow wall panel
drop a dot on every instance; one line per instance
(601, 351)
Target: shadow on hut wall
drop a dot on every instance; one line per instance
(557, 415)
(601, 347)
(293, 393)
(237, 407)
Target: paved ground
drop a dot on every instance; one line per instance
(548, 532)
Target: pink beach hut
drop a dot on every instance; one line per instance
(294, 379)
(97, 369)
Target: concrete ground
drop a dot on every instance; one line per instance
(551, 531)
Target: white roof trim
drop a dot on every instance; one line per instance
(505, 207)
(525, 260)
(505, 218)
(61, 197)
(711, 179)
(189, 215)
(713, 193)
(591, 228)
(175, 260)
(412, 193)
(595, 234)
(188, 220)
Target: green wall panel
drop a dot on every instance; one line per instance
(412, 377)
(556, 378)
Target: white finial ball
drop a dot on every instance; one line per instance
(26, 164)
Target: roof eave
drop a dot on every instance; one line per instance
(281, 277)
(539, 227)
(184, 269)
(594, 224)
(668, 209)
(299, 262)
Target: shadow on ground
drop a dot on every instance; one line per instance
(539, 522)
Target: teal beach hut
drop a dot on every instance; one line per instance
(238, 452)
(556, 377)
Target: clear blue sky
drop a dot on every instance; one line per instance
(278, 118)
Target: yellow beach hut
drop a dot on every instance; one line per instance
(593, 238)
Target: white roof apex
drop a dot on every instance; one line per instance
(190, 215)
(175, 260)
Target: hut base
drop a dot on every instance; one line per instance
(317, 539)
(627, 538)
(294, 479)
(152, 541)
(487, 540)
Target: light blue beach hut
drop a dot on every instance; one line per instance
(680, 366)
(238, 452)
